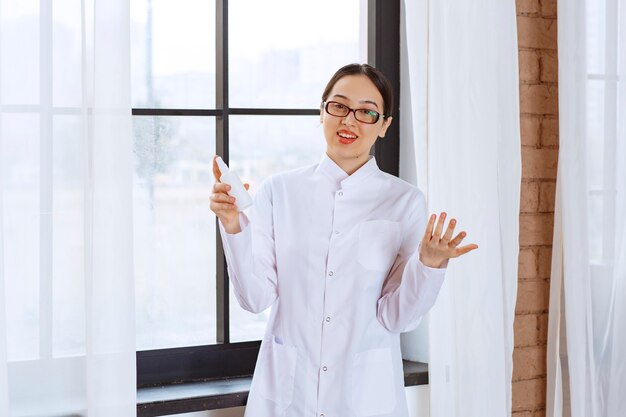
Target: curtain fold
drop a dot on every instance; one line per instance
(586, 343)
(67, 335)
(473, 172)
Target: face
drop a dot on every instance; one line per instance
(348, 141)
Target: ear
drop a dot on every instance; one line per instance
(322, 113)
(383, 130)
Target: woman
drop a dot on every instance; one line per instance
(333, 248)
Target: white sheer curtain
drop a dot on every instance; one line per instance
(67, 338)
(587, 319)
(461, 127)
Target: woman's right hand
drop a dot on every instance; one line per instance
(222, 204)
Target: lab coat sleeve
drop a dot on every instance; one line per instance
(251, 255)
(411, 287)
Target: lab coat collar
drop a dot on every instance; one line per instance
(330, 169)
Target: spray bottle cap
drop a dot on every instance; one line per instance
(222, 166)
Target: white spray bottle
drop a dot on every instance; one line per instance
(237, 190)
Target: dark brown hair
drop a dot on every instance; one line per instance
(380, 81)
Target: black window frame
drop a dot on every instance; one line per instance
(224, 359)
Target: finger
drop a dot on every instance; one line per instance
(439, 227)
(220, 187)
(429, 228)
(457, 239)
(446, 238)
(216, 170)
(246, 186)
(464, 249)
(222, 198)
(222, 207)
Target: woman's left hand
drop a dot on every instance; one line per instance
(435, 249)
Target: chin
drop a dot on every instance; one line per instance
(351, 153)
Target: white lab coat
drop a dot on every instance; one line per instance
(335, 256)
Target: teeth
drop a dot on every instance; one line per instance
(344, 135)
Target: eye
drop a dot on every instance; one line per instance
(368, 115)
(338, 106)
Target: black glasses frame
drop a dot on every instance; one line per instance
(354, 111)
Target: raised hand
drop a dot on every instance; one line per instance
(223, 205)
(436, 249)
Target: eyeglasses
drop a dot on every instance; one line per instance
(362, 115)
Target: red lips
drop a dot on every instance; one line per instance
(346, 137)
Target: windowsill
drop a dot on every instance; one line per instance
(225, 393)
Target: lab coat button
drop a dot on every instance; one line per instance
(340, 193)
(324, 369)
(327, 319)
(336, 232)
(330, 274)
(321, 415)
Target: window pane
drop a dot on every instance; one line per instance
(173, 53)
(174, 231)
(66, 53)
(280, 59)
(21, 213)
(19, 37)
(596, 36)
(595, 229)
(259, 147)
(595, 134)
(68, 317)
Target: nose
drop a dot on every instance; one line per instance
(349, 118)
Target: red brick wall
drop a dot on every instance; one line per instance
(537, 38)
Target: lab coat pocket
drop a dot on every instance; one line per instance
(379, 243)
(275, 372)
(373, 385)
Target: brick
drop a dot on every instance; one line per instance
(544, 262)
(530, 127)
(529, 197)
(529, 362)
(548, 8)
(529, 394)
(529, 66)
(532, 297)
(539, 99)
(527, 263)
(531, 329)
(549, 132)
(536, 32)
(548, 64)
(547, 194)
(525, 330)
(539, 163)
(542, 325)
(535, 229)
(527, 6)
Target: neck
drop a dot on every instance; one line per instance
(349, 165)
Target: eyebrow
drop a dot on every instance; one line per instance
(362, 101)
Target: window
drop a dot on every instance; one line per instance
(602, 124)
(242, 79)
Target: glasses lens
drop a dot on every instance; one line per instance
(336, 109)
(366, 116)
